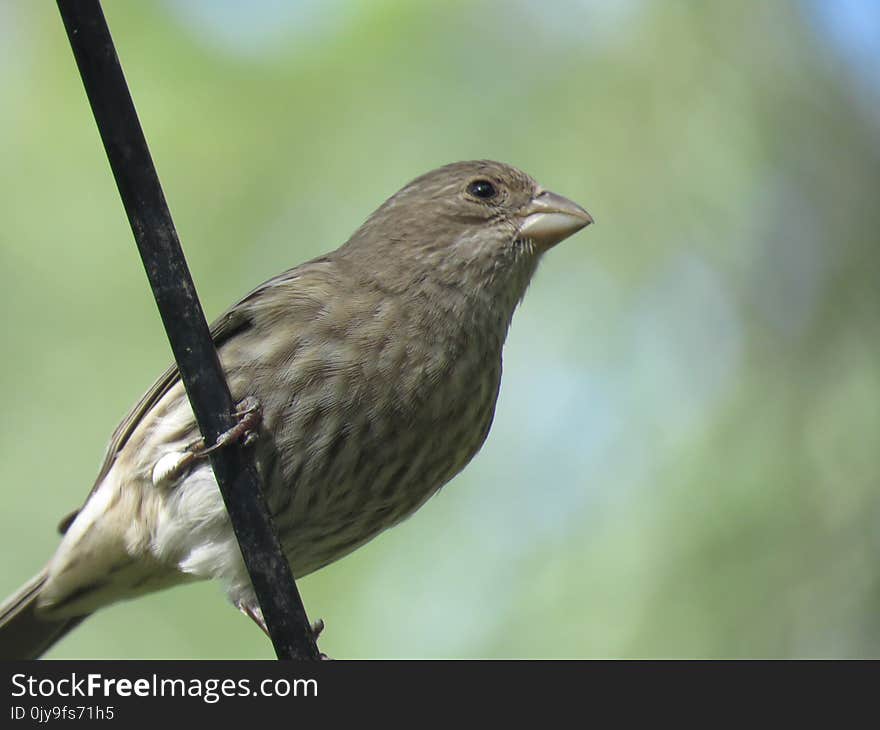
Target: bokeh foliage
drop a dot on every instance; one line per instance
(685, 457)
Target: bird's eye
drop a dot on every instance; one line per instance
(482, 189)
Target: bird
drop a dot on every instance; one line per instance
(372, 375)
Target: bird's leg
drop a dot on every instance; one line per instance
(249, 413)
(256, 615)
(174, 464)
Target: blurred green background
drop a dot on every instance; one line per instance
(686, 452)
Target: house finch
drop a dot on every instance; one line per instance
(376, 368)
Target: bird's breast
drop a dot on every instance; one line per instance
(362, 442)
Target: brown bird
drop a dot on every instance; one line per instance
(376, 367)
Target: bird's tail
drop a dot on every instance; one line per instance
(24, 634)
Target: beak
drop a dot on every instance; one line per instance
(549, 218)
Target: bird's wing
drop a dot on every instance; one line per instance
(234, 320)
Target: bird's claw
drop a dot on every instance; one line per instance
(256, 615)
(317, 628)
(249, 415)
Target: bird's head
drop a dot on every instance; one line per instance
(477, 226)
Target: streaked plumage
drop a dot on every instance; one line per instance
(377, 366)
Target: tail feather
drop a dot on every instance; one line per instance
(24, 634)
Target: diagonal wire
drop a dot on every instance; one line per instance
(185, 325)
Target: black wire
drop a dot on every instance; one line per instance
(185, 324)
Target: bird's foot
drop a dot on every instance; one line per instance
(249, 415)
(317, 628)
(173, 465)
(256, 615)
